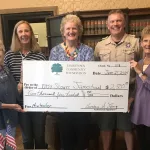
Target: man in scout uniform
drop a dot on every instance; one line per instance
(118, 47)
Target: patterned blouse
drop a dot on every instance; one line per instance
(85, 53)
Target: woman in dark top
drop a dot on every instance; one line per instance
(8, 105)
(25, 47)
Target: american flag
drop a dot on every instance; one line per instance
(10, 140)
(2, 142)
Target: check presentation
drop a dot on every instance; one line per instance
(60, 86)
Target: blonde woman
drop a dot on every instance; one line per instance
(25, 47)
(141, 110)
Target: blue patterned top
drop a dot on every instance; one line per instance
(85, 53)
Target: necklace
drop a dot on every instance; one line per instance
(24, 55)
(144, 64)
(72, 55)
(146, 61)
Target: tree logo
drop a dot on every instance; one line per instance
(57, 68)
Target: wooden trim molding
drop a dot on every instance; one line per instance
(30, 9)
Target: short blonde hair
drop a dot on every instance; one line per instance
(71, 18)
(2, 47)
(145, 31)
(117, 11)
(16, 45)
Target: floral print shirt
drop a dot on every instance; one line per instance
(85, 53)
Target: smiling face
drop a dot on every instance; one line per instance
(71, 32)
(145, 43)
(24, 34)
(116, 24)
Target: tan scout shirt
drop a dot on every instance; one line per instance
(126, 50)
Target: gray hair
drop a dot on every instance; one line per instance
(145, 31)
(71, 18)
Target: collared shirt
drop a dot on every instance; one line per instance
(8, 95)
(126, 50)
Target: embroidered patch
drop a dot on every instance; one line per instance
(128, 45)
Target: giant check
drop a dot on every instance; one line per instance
(75, 86)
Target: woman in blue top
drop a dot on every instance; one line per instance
(73, 126)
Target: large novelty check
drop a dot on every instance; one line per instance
(75, 86)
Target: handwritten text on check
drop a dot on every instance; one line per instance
(76, 86)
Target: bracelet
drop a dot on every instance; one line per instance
(140, 74)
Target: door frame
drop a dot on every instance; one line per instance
(10, 14)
